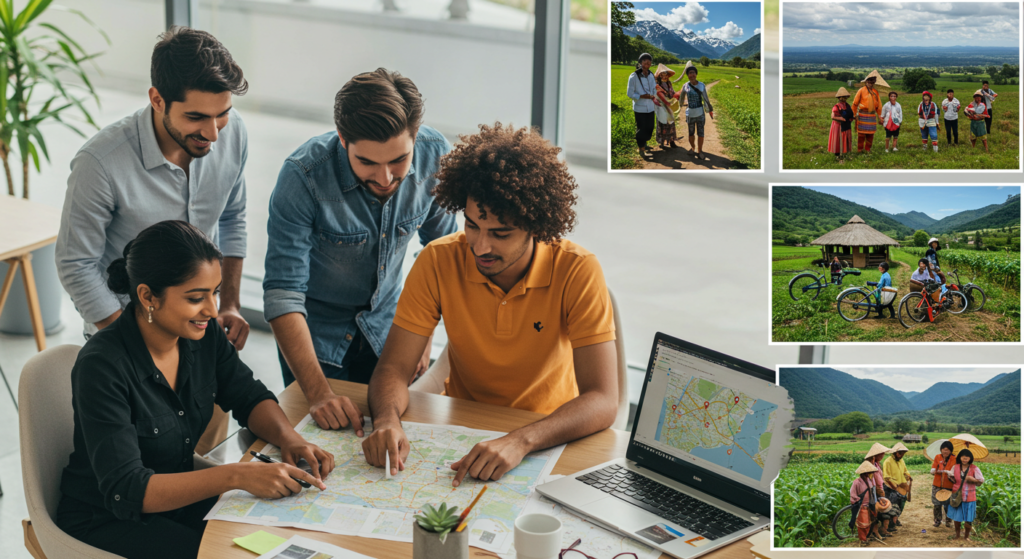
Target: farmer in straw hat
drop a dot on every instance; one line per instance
(866, 106)
(888, 518)
(666, 131)
(862, 491)
(640, 88)
(942, 467)
(842, 118)
(896, 476)
(978, 112)
(968, 476)
(694, 96)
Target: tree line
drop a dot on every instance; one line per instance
(858, 422)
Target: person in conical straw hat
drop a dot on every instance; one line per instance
(665, 133)
(862, 492)
(896, 477)
(694, 97)
(866, 106)
(874, 457)
(839, 134)
(942, 467)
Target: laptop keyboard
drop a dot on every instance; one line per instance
(699, 517)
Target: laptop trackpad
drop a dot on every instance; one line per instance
(647, 527)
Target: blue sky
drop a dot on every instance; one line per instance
(936, 201)
(919, 380)
(921, 24)
(735, 21)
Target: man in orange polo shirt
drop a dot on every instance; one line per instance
(527, 313)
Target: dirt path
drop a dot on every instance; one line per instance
(680, 158)
(918, 525)
(966, 327)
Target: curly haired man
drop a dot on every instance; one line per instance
(528, 315)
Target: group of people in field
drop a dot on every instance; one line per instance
(927, 272)
(867, 112)
(653, 96)
(883, 488)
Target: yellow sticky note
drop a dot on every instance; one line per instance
(260, 542)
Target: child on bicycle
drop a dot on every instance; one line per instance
(884, 281)
(837, 271)
(923, 274)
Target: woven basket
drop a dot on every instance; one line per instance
(888, 294)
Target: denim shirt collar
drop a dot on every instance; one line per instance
(152, 157)
(538, 274)
(348, 176)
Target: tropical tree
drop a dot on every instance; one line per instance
(920, 238)
(705, 61)
(36, 57)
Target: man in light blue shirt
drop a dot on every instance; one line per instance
(641, 88)
(181, 157)
(346, 205)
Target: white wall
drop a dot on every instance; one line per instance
(297, 56)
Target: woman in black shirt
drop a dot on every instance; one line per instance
(143, 390)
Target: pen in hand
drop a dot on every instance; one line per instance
(269, 460)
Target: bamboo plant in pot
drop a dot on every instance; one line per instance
(42, 80)
(434, 535)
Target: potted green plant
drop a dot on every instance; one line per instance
(435, 536)
(41, 71)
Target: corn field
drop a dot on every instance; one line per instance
(1002, 268)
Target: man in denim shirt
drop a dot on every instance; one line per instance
(345, 206)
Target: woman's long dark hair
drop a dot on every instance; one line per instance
(161, 256)
(964, 452)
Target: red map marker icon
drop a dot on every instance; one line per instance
(737, 399)
(706, 424)
(706, 404)
(729, 451)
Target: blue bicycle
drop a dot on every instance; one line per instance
(856, 303)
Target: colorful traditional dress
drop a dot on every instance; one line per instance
(978, 128)
(966, 511)
(927, 119)
(839, 135)
(666, 131)
(868, 104)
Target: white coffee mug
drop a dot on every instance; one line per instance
(538, 536)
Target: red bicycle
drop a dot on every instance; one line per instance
(926, 304)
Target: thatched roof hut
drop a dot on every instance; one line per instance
(856, 242)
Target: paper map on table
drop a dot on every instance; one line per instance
(597, 541)
(360, 501)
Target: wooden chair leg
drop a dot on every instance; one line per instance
(31, 542)
(33, 301)
(12, 269)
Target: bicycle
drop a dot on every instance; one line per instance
(920, 305)
(844, 522)
(802, 283)
(975, 295)
(857, 301)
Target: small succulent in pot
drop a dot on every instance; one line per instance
(441, 520)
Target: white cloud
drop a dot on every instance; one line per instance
(677, 18)
(729, 31)
(756, 31)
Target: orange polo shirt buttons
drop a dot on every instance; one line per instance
(525, 360)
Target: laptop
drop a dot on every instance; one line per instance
(694, 476)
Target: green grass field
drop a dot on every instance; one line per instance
(819, 321)
(737, 113)
(806, 116)
(863, 444)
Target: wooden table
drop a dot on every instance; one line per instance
(25, 226)
(426, 408)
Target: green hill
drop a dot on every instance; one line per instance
(799, 210)
(914, 220)
(1007, 214)
(826, 393)
(746, 49)
(908, 394)
(995, 403)
(942, 391)
(956, 221)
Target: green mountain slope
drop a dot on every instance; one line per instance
(942, 391)
(807, 212)
(994, 403)
(825, 393)
(746, 49)
(907, 394)
(956, 221)
(914, 220)
(1007, 214)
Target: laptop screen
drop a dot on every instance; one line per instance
(704, 411)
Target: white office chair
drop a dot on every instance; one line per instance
(432, 381)
(47, 427)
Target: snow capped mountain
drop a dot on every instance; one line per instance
(710, 45)
(661, 37)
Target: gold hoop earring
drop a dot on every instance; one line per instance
(150, 315)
